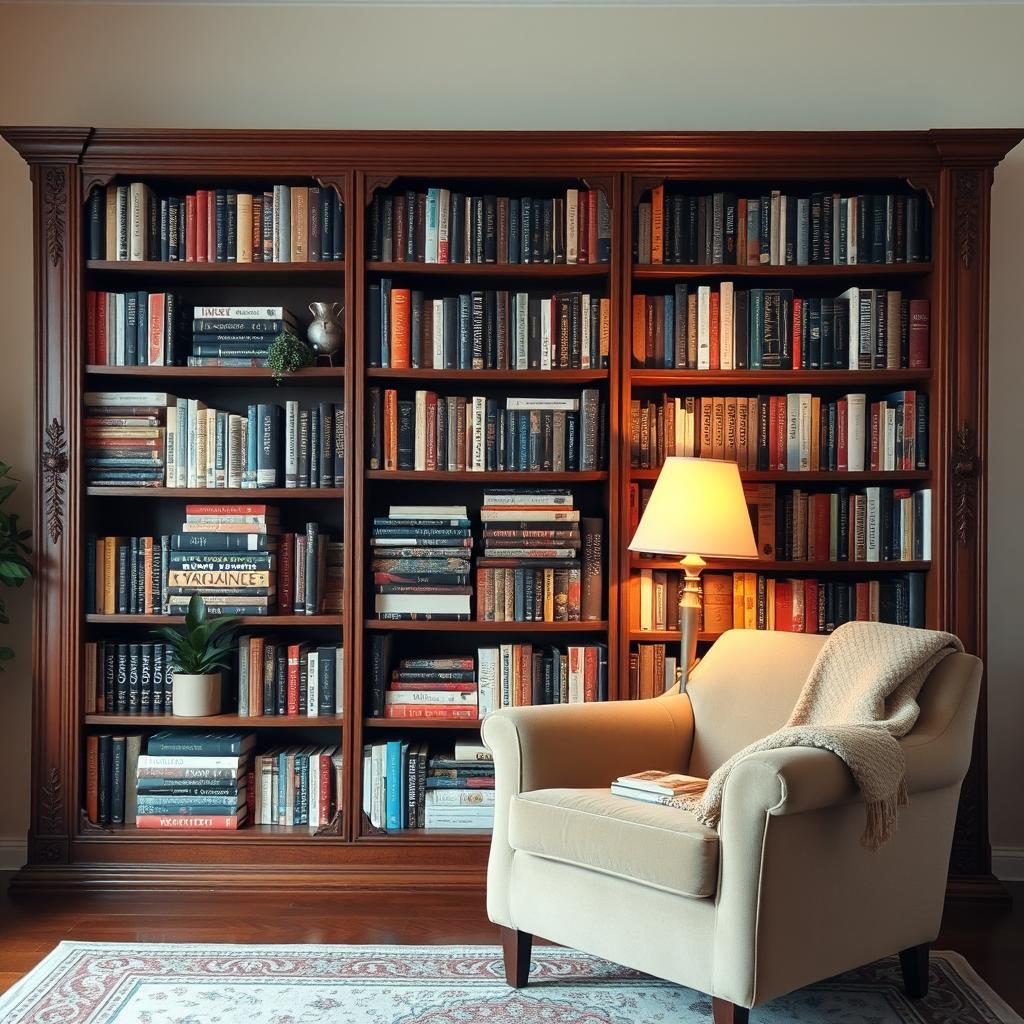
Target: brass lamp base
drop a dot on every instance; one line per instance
(689, 617)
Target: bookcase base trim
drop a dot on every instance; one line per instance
(289, 879)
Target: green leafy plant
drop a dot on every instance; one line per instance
(287, 354)
(15, 567)
(205, 645)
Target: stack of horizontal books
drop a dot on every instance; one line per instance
(442, 687)
(125, 438)
(237, 335)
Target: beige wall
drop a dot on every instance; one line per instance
(525, 67)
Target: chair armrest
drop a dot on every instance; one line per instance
(579, 746)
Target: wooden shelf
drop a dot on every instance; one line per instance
(668, 636)
(247, 495)
(493, 376)
(659, 272)
(817, 476)
(645, 378)
(766, 565)
(519, 270)
(474, 626)
(242, 620)
(422, 723)
(256, 374)
(249, 833)
(219, 721)
(418, 836)
(213, 271)
(488, 477)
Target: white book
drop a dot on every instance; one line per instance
(181, 443)
(852, 297)
(575, 655)
(487, 680)
(160, 399)
(242, 313)
(420, 431)
(437, 335)
(851, 230)
(404, 604)
(479, 424)
(544, 403)
(149, 762)
(138, 221)
(283, 196)
(516, 499)
(460, 797)
(546, 339)
(377, 761)
(170, 444)
(887, 424)
(872, 524)
(119, 352)
(339, 680)
(467, 750)
(926, 537)
(291, 443)
(243, 448)
(430, 243)
(427, 512)
(452, 818)
(646, 600)
(805, 432)
(572, 234)
(773, 229)
(446, 697)
(211, 448)
(506, 678)
(528, 515)
(585, 343)
(312, 682)
(855, 411)
(443, 201)
(521, 312)
(727, 329)
(792, 432)
(783, 238)
(704, 327)
(192, 449)
(314, 790)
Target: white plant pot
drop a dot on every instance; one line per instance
(196, 696)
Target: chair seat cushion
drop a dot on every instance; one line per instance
(659, 846)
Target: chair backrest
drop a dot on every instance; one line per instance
(747, 684)
(745, 688)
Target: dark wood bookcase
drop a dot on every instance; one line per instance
(953, 168)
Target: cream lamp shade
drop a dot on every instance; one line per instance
(697, 508)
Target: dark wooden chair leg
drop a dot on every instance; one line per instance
(725, 1012)
(516, 946)
(914, 962)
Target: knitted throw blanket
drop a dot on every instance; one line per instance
(859, 699)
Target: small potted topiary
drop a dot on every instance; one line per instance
(197, 654)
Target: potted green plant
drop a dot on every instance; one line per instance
(288, 354)
(15, 567)
(197, 654)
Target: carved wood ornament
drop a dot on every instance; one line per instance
(55, 202)
(51, 803)
(965, 467)
(55, 466)
(967, 200)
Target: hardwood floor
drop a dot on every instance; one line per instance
(990, 936)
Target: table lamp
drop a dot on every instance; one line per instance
(696, 509)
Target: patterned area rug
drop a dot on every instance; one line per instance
(116, 983)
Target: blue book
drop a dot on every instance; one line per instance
(282, 788)
(187, 805)
(201, 744)
(302, 796)
(251, 447)
(393, 785)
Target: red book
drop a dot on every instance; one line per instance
(810, 606)
(432, 685)
(102, 356)
(773, 431)
(909, 455)
(292, 692)
(181, 823)
(590, 673)
(92, 779)
(190, 229)
(431, 430)
(715, 331)
(391, 429)
(582, 232)
(920, 333)
(250, 793)
(324, 780)
(523, 696)
(285, 574)
(156, 329)
(401, 302)
(784, 606)
(468, 713)
(863, 602)
(202, 225)
(211, 227)
(841, 432)
(876, 434)
(822, 526)
(229, 510)
(90, 327)
(798, 317)
(591, 224)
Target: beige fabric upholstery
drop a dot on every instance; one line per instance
(789, 862)
(648, 843)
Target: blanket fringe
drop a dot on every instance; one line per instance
(882, 817)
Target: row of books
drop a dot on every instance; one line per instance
(492, 330)
(297, 786)
(457, 433)
(794, 432)
(775, 229)
(459, 687)
(283, 224)
(136, 328)
(128, 678)
(702, 328)
(405, 786)
(237, 335)
(421, 561)
(240, 567)
(441, 225)
(125, 438)
(276, 678)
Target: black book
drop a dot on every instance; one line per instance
(375, 443)
(410, 227)
(815, 215)
(765, 229)
(450, 340)
(387, 229)
(158, 679)
(789, 256)
(338, 227)
(763, 407)
(221, 542)
(890, 229)
(525, 228)
(465, 334)
(146, 678)
(314, 448)
(169, 667)
(479, 228)
(729, 228)
(406, 434)
(819, 334)
(338, 410)
(375, 218)
(312, 597)
(827, 223)
(477, 328)
(117, 780)
(533, 333)
(134, 679)
(326, 658)
(921, 430)
(741, 323)
(878, 220)
(537, 231)
(326, 203)
(547, 232)
(843, 526)
(514, 231)
(676, 229)
(281, 678)
(703, 231)
(110, 677)
(415, 328)
(268, 450)
(326, 437)
(380, 672)
(123, 552)
(864, 219)
(457, 228)
(373, 326)
(153, 223)
(490, 229)
(175, 229)
(558, 255)
(220, 222)
(914, 233)
(103, 780)
(97, 219)
(691, 221)
(131, 329)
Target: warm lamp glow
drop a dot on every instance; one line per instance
(697, 508)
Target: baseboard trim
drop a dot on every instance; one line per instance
(1008, 863)
(13, 852)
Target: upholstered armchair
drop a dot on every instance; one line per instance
(782, 894)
